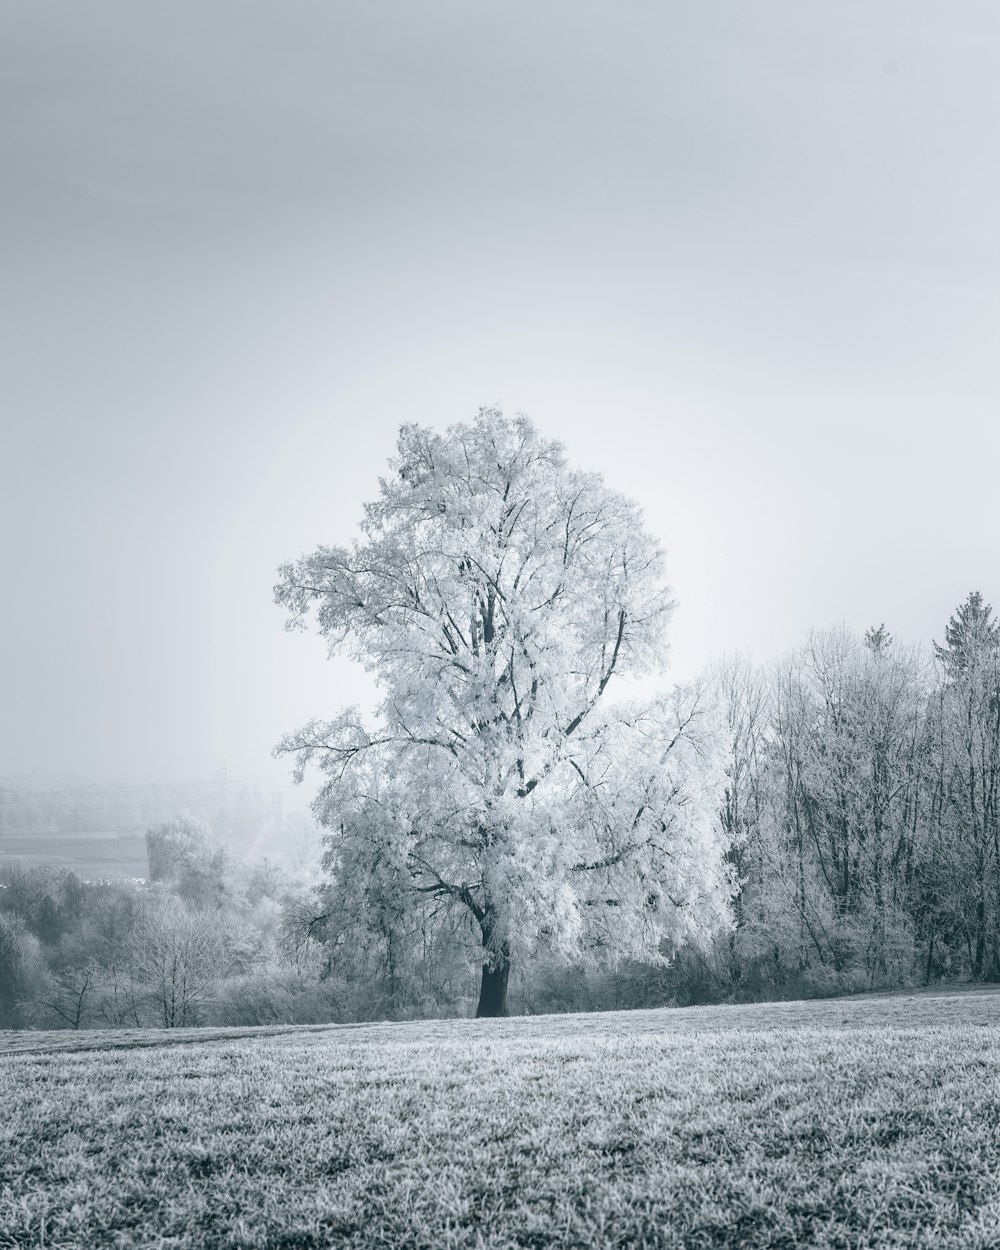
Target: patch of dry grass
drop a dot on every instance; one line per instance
(854, 1123)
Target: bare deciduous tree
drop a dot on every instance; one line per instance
(178, 955)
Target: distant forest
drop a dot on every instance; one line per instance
(860, 808)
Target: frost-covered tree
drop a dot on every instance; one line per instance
(183, 854)
(178, 955)
(968, 707)
(497, 595)
(827, 771)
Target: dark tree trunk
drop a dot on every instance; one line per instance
(493, 987)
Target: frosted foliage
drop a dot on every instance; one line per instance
(496, 593)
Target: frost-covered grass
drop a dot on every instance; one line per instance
(854, 1123)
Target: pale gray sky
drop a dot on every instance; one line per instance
(741, 256)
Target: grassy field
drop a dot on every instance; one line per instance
(854, 1123)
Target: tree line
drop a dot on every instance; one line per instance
(858, 807)
(862, 812)
(508, 821)
(202, 940)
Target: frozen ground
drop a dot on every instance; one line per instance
(869, 1122)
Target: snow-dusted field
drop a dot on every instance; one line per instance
(854, 1123)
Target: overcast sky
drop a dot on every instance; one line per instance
(742, 257)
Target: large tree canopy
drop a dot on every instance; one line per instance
(496, 595)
